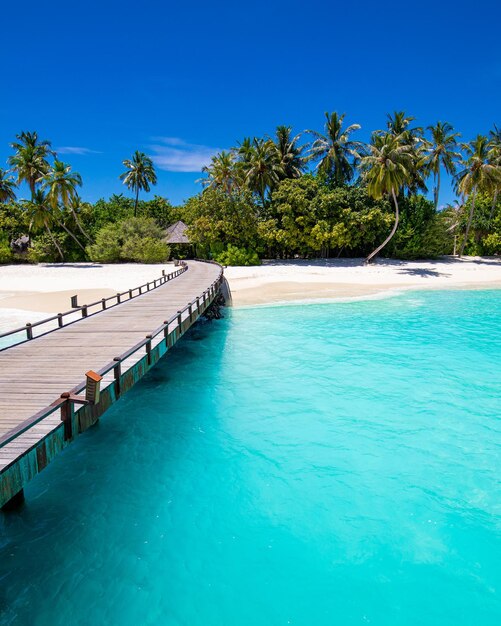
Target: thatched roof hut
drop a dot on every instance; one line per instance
(176, 233)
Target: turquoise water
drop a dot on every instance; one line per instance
(316, 465)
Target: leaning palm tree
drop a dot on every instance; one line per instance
(335, 151)
(441, 153)
(76, 205)
(221, 173)
(61, 184)
(289, 152)
(139, 175)
(42, 217)
(7, 186)
(479, 174)
(386, 170)
(30, 160)
(261, 169)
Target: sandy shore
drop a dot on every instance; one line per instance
(282, 281)
(28, 293)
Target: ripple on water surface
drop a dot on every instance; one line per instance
(323, 464)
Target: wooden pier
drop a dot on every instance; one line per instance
(42, 408)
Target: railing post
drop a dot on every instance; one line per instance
(66, 416)
(119, 299)
(166, 330)
(130, 294)
(60, 320)
(103, 302)
(117, 373)
(29, 331)
(190, 312)
(84, 310)
(140, 290)
(180, 322)
(148, 349)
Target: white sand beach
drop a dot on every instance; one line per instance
(28, 292)
(282, 281)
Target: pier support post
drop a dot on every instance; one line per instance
(66, 410)
(15, 503)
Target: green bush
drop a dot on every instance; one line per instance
(492, 244)
(137, 239)
(43, 249)
(5, 251)
(237, 256)
(145, 250)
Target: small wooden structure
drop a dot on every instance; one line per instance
(176, 234)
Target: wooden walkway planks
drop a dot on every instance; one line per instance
(35, 373)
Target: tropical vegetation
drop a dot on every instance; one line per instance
(320, 193)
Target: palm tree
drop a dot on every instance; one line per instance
(441, 153)
(335, 151)
(261, 168)
(478, 174)
(398, 123)
(61, 184)
(7, 186)
(30, 159)
(289, 152)
(139, 175)
(386, 170)
(42, 216)
(221, 173)
(452, 214)
(494, 158)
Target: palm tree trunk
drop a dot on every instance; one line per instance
(80, 227)
(470, 220)
(393, 231)
(137, 198)
(71, 234)
(54, 241)
(437, 188)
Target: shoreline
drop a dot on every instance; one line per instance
(381, 294)
(348, 279)
(39, 291)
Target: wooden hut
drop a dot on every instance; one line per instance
(176, 237)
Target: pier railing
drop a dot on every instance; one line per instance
(168, 332)
(87, 310)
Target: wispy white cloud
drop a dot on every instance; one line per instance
(75, 150)
(176, 155)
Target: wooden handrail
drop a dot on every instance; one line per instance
(103, 303)
(114, 365)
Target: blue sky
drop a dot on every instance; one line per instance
(180, 80)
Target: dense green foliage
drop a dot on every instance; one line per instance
(237, 256)
(137, 239)
(274, 196)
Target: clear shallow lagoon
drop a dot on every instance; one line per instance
(314, 465)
